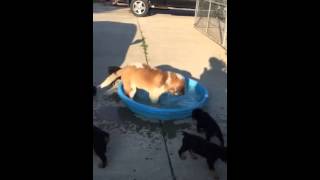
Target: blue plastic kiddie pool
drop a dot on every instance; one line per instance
(170, 107)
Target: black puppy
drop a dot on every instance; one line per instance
(208, 124)
(198, 145)
(100, 141)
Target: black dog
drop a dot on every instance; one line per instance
(208, 124)
(100, 141)
(198, 145)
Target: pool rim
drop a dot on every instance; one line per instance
(136, 104)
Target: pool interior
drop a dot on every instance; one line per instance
(168, 101)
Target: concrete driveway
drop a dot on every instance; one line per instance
(141, 149)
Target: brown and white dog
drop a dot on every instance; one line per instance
(150, 79)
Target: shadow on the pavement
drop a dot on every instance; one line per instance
(111, 41)
(107, 6)
(215, 78)
(175, 12)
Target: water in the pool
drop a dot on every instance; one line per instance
(189, 99)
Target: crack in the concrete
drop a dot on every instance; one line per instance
(144, 44)
(166, 148)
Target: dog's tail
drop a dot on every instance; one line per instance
(111, 78)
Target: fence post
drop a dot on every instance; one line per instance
(196, 12)
(225, 32)
(208, 16)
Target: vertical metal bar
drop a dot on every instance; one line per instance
(225, 31)
(196, 12)
(208, 16)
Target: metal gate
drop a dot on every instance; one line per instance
(211, 19)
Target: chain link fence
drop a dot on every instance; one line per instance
(211, 19)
